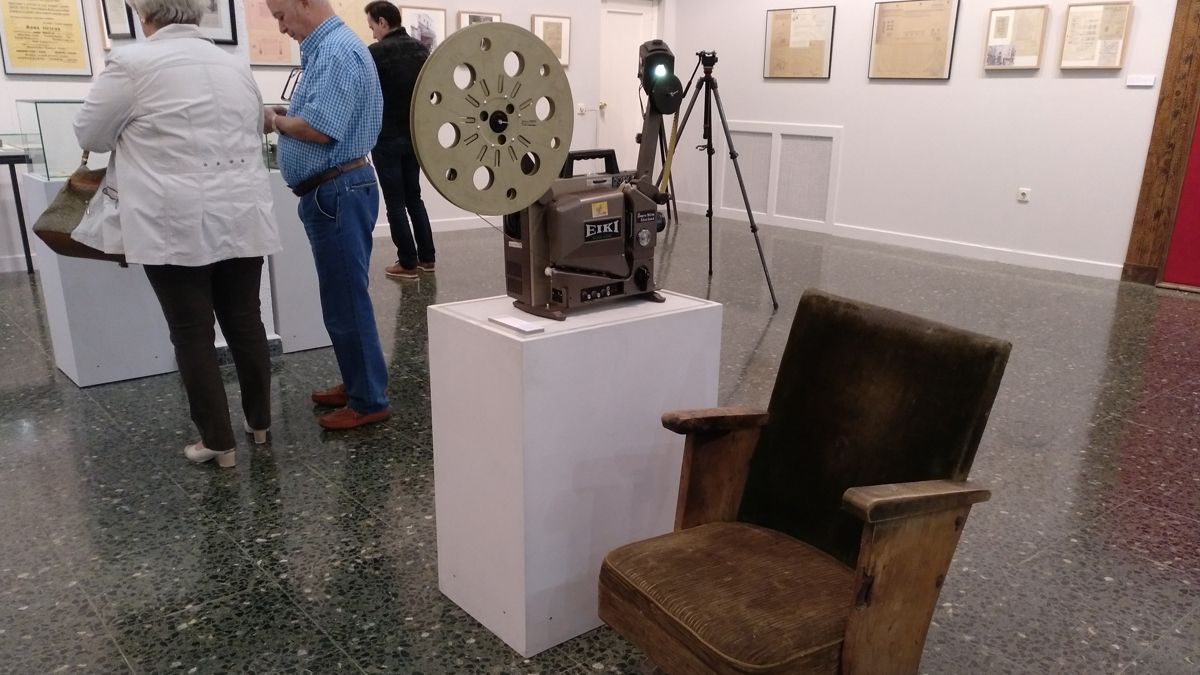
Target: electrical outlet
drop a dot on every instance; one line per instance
(1023, 195)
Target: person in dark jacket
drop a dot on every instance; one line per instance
(399, 58)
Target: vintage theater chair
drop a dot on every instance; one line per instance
(815, 537)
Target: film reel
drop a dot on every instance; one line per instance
(491, 118)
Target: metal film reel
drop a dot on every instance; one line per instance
(491, 118)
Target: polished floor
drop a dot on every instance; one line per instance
(317, 553)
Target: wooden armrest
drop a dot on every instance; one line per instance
(910, 532)
(711, 420)
(716, 461)
(876, 503)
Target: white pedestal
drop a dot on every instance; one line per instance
(105, 321)
(297, 298)
(549, 451)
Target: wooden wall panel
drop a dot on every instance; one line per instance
(1170, 145)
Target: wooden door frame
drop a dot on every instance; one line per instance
(1170, 148)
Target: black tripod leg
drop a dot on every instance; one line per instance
(662, 152)
(745, 198)
(688, 113)
(708, 149)
(679, 131)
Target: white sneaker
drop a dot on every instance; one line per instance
(200, 454)
(260, 435)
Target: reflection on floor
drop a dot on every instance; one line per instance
(317, 553)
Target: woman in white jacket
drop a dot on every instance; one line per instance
(191, 204)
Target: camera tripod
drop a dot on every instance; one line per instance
(708, 84)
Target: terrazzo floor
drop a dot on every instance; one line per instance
(316, 555)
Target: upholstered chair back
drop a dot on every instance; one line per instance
(865, 396)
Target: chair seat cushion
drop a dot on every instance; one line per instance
(737, 597)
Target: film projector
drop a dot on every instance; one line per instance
(492, 118)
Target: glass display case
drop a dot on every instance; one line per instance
(12, 144)
(48, 136)
(271, 142)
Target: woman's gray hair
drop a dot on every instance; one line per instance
(166, 12)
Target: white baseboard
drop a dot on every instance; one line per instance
(472, 222)
(15, 263)
(1044, 261)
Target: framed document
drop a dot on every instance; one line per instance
(265, 44)
(471, 18)
(426, 25)
(799, 42)
(217, 22)
(1015, 38)
(44, 37)
(555, 31)
(104, 39)
(913, 39)
(1096, 34)
(118, 19)
(351, 12)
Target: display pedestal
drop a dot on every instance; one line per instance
(296, 296)
(105, 321)
(549, 450)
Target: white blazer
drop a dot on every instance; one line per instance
(184, 122)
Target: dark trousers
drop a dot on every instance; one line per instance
(400, 182)
(190, 296)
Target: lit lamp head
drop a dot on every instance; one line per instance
(656, 70)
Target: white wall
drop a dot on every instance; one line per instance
(584, 74)
(932, 165)
(936, 165)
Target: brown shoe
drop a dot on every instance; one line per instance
(425, 267)
(401, 272)
(346, 418)
(334, 397)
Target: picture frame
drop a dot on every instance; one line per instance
(913, 39)
(555, 31)
(118, 20)
(468, 18)
(799, 43)
(105, 41)
(48, 37)
(426, 25)
(218, 22)
(1016, 37)
(1095, 36)
(265, 45)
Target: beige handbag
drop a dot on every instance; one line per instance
(64, 214)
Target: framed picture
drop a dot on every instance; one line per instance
(44, 37)
(913, 39)
(555, 31)
(471, 18)
(265, 44)
(1096, 34)
(799, 42)
(118, 19)
(217, 23)
(105, 41)
(425, 24)
(1015, 38)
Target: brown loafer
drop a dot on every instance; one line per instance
(399, 271)
(426, 267)
(334, 397)
(346, 418)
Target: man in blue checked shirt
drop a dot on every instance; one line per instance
(335, 115)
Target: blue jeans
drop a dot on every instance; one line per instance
(400, 180)
(339, 217)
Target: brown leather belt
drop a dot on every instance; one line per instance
(309, 184)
